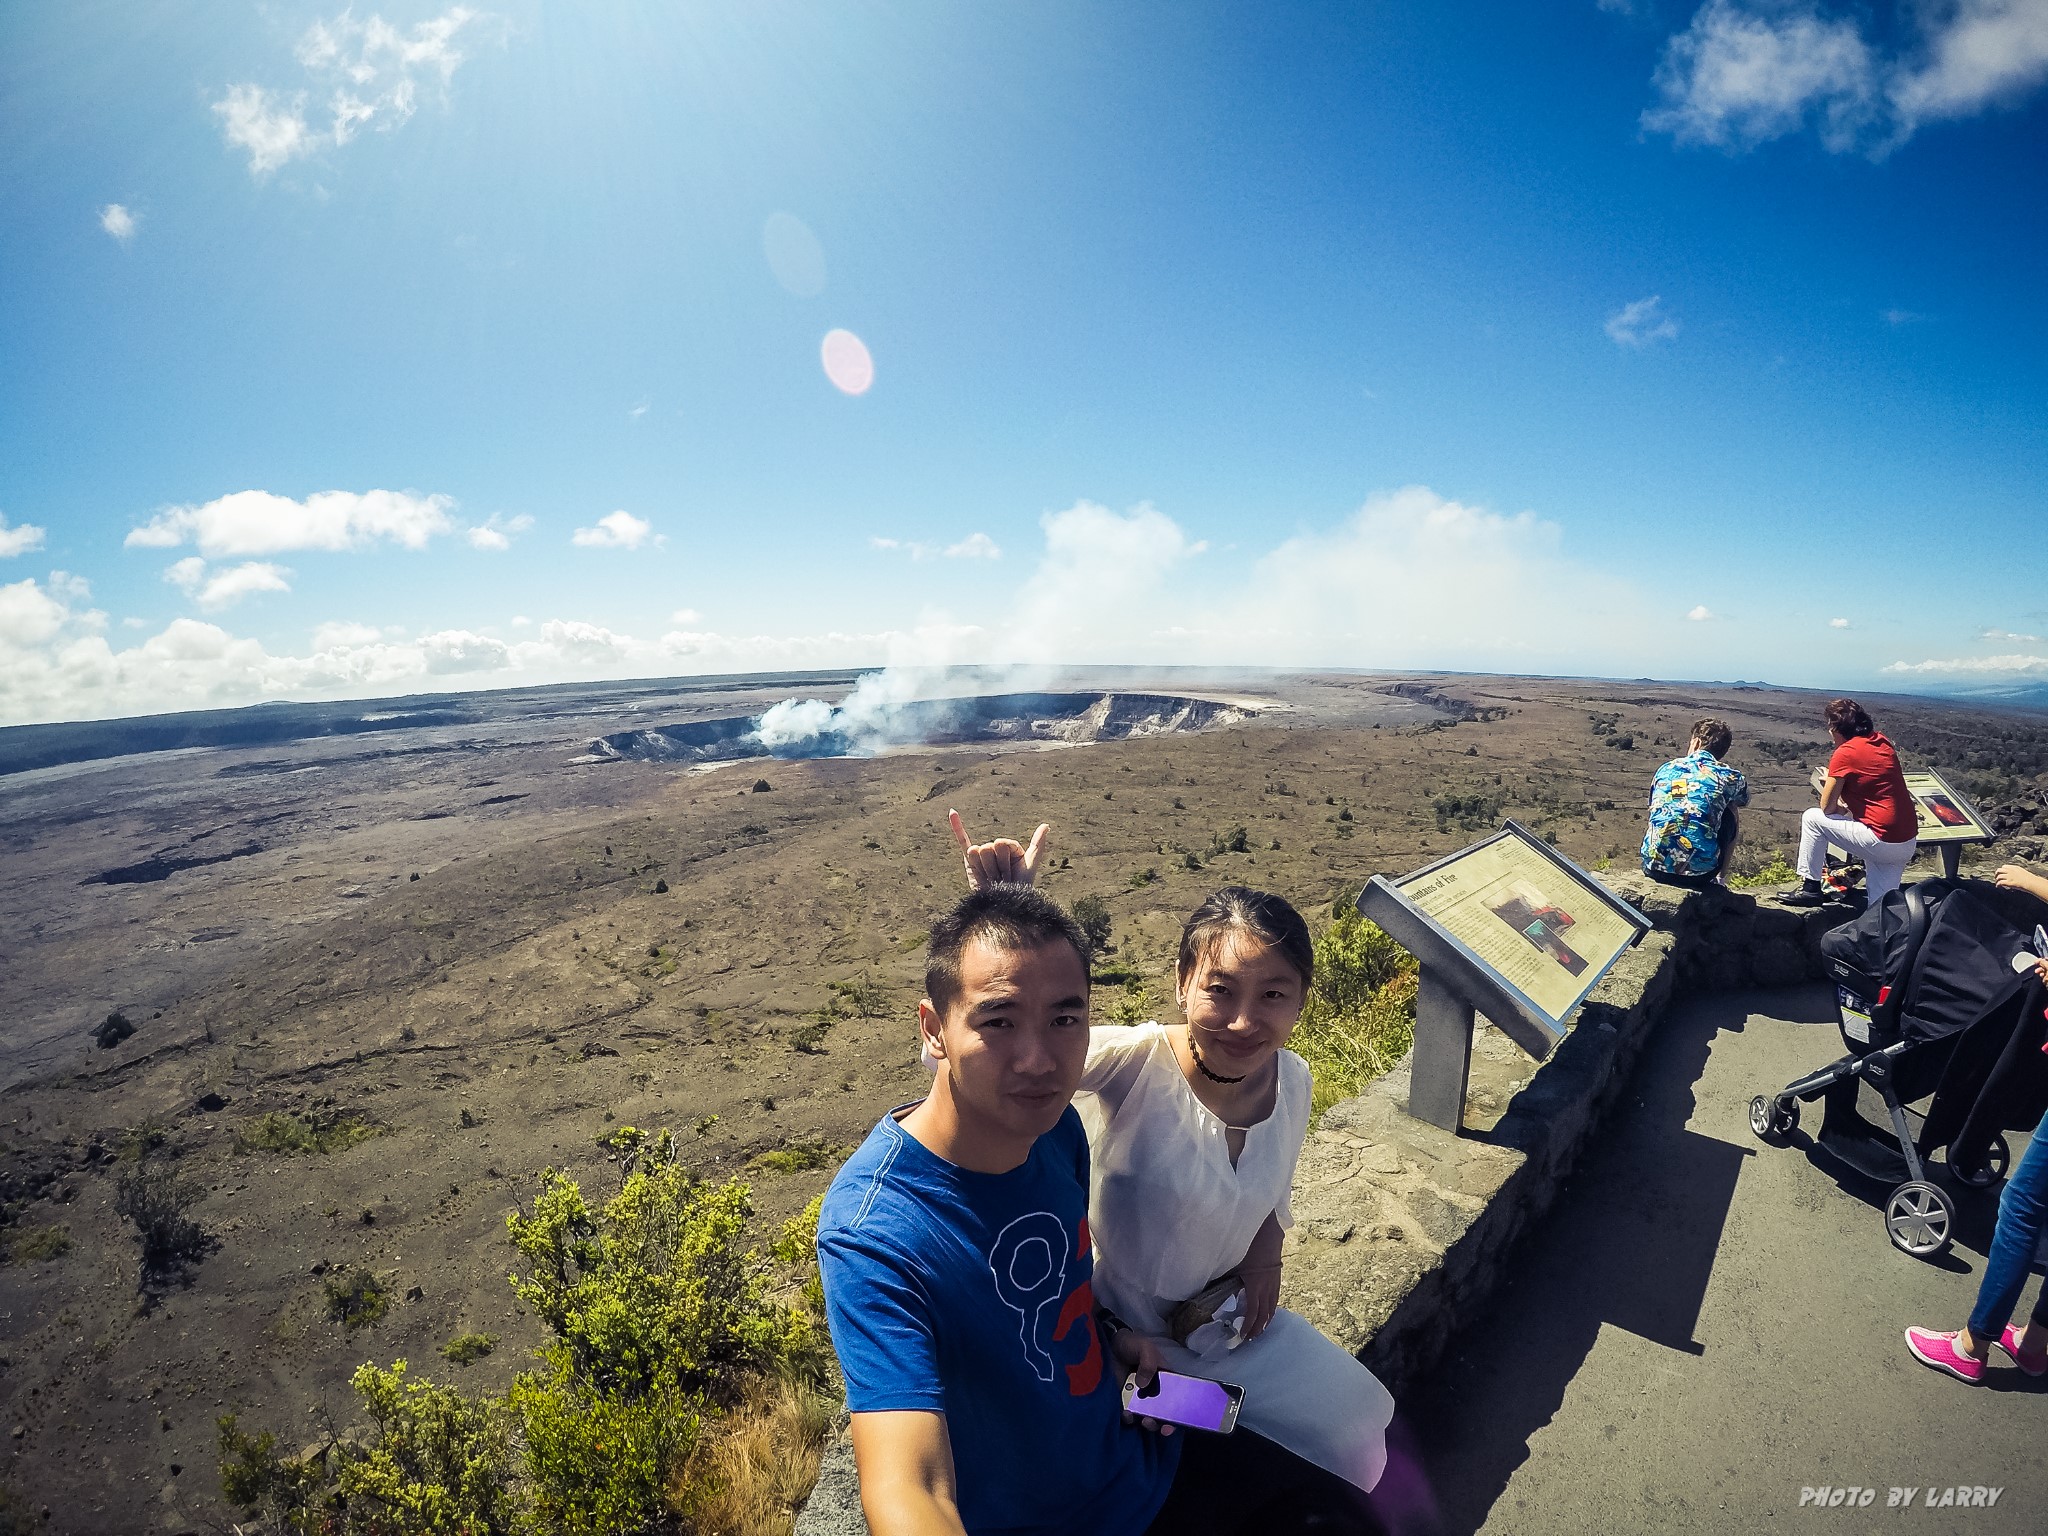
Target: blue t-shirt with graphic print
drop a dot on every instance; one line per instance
(968, 1294)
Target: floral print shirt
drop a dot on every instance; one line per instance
(1688, 800)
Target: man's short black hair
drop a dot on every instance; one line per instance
(1009, 917)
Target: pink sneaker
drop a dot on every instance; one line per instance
(2033, 1365)
(1939, 1350)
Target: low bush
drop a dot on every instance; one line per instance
(276, 1132)
(36, 1244)
(800, 1156)
(468, 1348)
(356, 1298)
(1092, 913)
(864, 996)
(155, 1199)
(1360, 1015)
(680, 1390)
(438, 1465)
(1775, 870)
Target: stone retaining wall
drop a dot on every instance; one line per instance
(1401, 1228)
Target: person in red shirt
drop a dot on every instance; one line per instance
(1864, 810)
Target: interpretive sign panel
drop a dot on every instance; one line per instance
(1508, 928)
(1545, 929)
(1945, 816)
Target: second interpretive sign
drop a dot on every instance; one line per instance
(1945, 816)
(1545, 930)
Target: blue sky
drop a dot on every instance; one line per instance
(356, 352)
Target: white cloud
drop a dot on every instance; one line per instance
(457, 650)
(2007, 637)
(1640, 323)
(520, 621)
(259, 523)
(225, 588)
(1838, 623)
(1977, 53)
(976, 546)
(119, 222)
(586, 643)
(1410, 579)
(270, 127)
(367, 73)
(637, 411)
(19, 539)
(1700, 615)
(2012, 666)
(1747, 71)
(494, 532)
(686, 616)
(336, 633)
(222, 589)
(615, 530)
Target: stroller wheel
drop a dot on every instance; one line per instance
(1771, 1122)
(1997, 1158)
(1919, 1217)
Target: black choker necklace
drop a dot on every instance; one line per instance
(1202, 1066)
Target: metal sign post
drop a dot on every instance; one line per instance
(1498, 930)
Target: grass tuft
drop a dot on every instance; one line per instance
(290, 1134)
(468, 1348)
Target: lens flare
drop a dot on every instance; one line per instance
(847, 363)
(794, 255)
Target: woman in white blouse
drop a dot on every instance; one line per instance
(1194, 1130)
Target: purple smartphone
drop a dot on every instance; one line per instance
(1186, 1400)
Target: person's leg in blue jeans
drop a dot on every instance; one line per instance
(2022, 1213)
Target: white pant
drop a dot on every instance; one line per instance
(1884, 864)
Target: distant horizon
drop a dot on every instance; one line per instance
(1055, 678)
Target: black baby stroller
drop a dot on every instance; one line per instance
(1931, 1008)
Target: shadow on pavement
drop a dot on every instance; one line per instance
(1630, 1243)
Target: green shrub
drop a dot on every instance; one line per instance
(864, 995)
(468, 1348)
(600, 1457)
(1360, 1015)
(656, 1279)
(800, 1156)
(664, 1327)
(1092, 913)
(622, 1138)
(1777, 871)
(356, 1299)
(155, 1200)
(283, 1133)
(288, 1491)
(41, 1244)
(438, 1467)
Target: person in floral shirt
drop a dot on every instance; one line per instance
(1693, 826)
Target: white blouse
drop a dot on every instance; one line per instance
(1168, 1211)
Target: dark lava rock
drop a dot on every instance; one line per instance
(592, 1048)
(112, 1031)
(210, 1102)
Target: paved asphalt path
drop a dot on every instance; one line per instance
(1704, 1326)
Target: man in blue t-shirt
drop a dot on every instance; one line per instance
(1693, 825)
(956, 1261)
